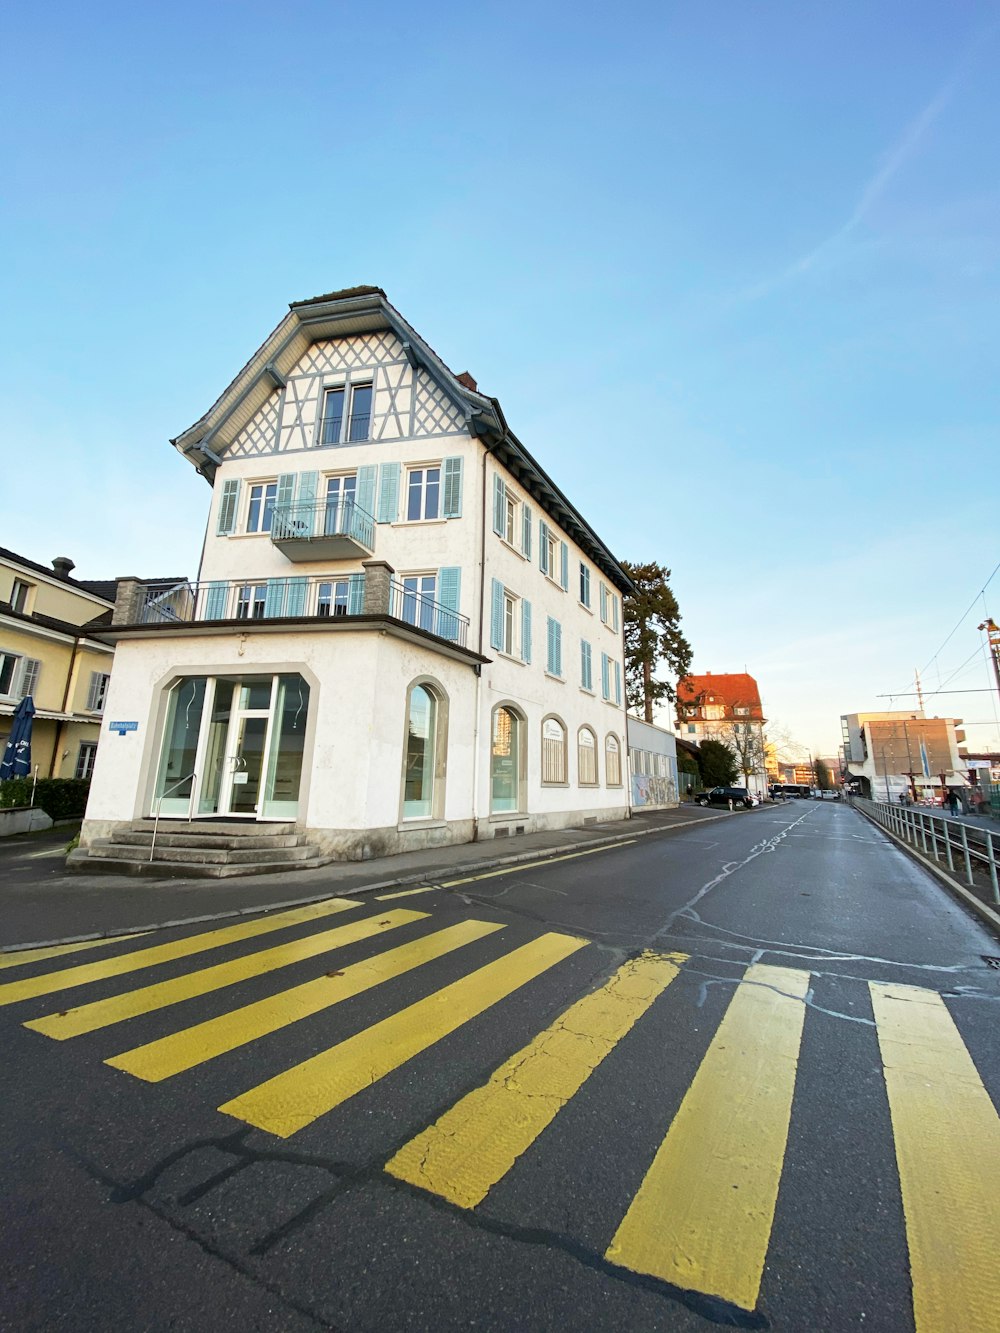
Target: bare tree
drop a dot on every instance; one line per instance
(746, 740)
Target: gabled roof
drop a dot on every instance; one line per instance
(101, 588)
(364, 310)
(734, 689)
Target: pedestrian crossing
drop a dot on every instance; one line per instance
(701, 1219)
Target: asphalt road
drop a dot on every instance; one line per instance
(745, 1076)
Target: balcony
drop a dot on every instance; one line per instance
(304, 598)
(323, 530)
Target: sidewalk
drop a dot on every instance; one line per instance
(41, 904)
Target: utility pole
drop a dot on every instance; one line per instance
(993, 634)
(920, 692)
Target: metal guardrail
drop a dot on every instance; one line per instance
(424, 612)
(938, 836)
(193, 779)
(257, 599)
(304, 520)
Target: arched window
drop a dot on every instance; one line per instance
(421, 747)
(612, 761)
(553, 751)
(586, 757)
(506, 761)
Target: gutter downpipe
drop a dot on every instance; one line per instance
(488, 449)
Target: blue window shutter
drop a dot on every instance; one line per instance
(356, 595)
(557, 639)
(564, 565)
(605, 676)
(586, 677)
(228, 507)
(550, 645)
(215, 600)
(453, 487)
(498, 504)
(604, 603)
(543, 546)
(614, 613)
(366, 488)
(525, 631)
(449, 595)
(496, 618)
(305, 507)
(285, 493)
(526, 521)
(295, 602)
(388, 493)
(274, 598)
(618, 682)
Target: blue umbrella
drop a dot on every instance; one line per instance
(16, 761)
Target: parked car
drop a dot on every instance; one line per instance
(723, 795)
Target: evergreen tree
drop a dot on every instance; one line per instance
(717, 763)
(652, 638)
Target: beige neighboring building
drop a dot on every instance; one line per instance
(888, 754)
(46, 652)
(726, 707)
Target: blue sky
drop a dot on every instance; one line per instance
(732, 270)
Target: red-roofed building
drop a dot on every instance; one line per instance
(726, 707)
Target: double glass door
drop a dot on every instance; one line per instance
(233, 746)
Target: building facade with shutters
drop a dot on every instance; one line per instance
(402, 633)
(46, 652)
(726, 707)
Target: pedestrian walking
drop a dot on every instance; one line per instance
(954, 804)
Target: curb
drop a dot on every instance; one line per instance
(959, 890)
(490, 863)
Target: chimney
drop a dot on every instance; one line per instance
(466, 379)
(63, 565)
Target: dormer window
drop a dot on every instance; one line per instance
(340, 427)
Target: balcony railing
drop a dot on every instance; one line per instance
(314, 597)
(423, 612)
(257, 599)
(331, 428)
(308, 520)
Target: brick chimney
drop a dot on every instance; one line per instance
(466, 379)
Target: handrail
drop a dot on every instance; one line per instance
(931, 830)
(193, 777)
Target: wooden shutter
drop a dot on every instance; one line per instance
(526, 521)
(605, 676)
(618, 682)
(305, 506)
(564, 566)
(586, 676)
(449, 595)
(96, 691)
(356, 595)
(499, 504)
(557, 668)
(366, 488)
(26, 676)
(388, 493)
(604, 603)
(228, 508)
(496, 616)
(525, 631)
(543, 546)
(453, 487)
(614, 612)
(295, 600)
(215, 600)
(274, 598)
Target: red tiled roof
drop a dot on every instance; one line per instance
(737, 688)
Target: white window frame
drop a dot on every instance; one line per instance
(98, 691)
(85, 757)
(423, 469)
(345, 430)
(20, 592)
(265, 514)
(511, 623)
(585, 583)
(7, 689)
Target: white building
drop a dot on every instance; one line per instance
(403, 634)
(652, 761)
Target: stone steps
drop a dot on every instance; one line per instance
(197, 850)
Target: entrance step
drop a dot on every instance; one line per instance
(203, 848)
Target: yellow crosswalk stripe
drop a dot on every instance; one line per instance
(117, 1008)
(947, 1136)
(702, 1216)
(296, 1098)
(474, 1144)
(19, 957)
(193, 1046)
(47, 984)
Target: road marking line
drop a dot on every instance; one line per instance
(405, 893)
(193, 1046)
(300, 1095)
(516, 869)
(118, 1008)
(48, 983)
(474, 1144)
(20, 957)
(947, 1137)
(702, 1216)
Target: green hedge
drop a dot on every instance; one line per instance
(60, 798)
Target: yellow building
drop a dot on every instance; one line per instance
(46, 652)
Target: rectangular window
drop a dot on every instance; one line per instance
(333, 598)
(19, 596)
(509, 622)
(419, 592)
(361, 412)
(85, 759)
(341, 494)
(260, 510)
(250, 601)
(546, 550)
(510, 517)
(8, 661)
(553, 751)
(584, 584)
(332, 425)
(423, 493)
(98, 691)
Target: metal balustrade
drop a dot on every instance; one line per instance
(961, 846)
(257, 599)
(424, 612)
(311, 519)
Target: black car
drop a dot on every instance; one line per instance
(723, 795)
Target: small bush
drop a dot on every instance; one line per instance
(60, 798)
